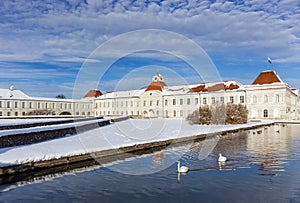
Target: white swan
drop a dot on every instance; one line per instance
(221, 158)
(181, 169)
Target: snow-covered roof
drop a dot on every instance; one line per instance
(19, 95)
(12, 94)
(122, 94)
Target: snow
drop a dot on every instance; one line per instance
(12, 122)
(126, 133)
(46, 128)
(12, 94)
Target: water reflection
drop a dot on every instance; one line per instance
(262, 157)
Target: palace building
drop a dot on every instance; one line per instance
(268, 97)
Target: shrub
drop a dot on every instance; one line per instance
(236, 113)
(219, 114)
(193, 118)
(205, 115)
(40, 112)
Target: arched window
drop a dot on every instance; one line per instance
(266, 113)
(254, 99)
(265, 98)
(277, 98)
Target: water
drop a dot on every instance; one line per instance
(263, 166)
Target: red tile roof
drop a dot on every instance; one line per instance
(266, 77)
(93, 93)
(156, 86)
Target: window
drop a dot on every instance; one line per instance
(0, 113)
(0, 104)
(30, 105)
(166, 113)
(222, 100)
(144, 102)
(166, 102)
(8, 114)
(16, 104)
(23, 105)
(157, 112)
(277, 98)
(131, 103)
(213, 100)
(174, 113)
(265, 98)
(150, 103)
(23, 113)
(157, 102)
(266, 113)
(16, 113)
(242, 99)
(188, 101)
(174, 101)
(231, 100)
(181, 113)
(181, 101)
(254, 99)
(196, 100)
(8, 104)
(204, 100)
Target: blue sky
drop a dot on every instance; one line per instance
(45, 42)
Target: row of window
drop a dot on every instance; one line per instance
(166, 102)
(39, 105)
(24, 113)
(266, 98)
(167, 113)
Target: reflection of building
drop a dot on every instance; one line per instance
(268, 97)
(158, 158)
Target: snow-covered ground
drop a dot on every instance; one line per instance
(12, 122)
(116, 135)
(48, 127)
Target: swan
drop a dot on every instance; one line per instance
(221, 158)
(181, 169)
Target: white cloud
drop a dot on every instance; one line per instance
(68, 31)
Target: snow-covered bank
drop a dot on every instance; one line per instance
(114, 136)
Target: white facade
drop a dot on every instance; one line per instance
(264, 101)
(16, 103)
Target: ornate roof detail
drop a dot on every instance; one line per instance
(93, 93)
(157, 83)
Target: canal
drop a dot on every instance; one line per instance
(263, 166)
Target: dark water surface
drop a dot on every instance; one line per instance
(263, 166)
